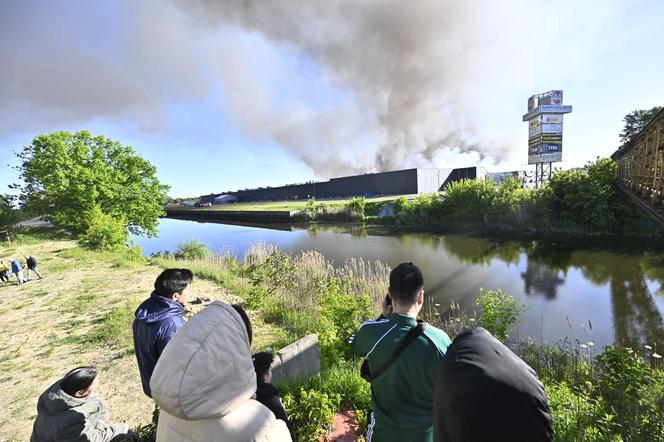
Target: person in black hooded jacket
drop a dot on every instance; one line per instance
(484, 392)
(266, 393)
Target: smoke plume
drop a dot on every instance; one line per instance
(404, 83)
(416, 72)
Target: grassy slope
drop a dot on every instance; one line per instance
(79, 314)
(283, 205)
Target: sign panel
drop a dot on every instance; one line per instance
(547, 109)
(550, 147)
(545, 148)
(545, 138)
(556, 97)
(555, 108)
(545, 158)
(552, 118)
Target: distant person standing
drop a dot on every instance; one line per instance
(17, 269)
(31, 262)
(158, 318)
(4, 272)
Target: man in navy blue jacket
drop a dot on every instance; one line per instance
(158, 318)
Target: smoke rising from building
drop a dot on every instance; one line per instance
(404, 83)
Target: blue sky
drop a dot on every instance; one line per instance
(221, 97)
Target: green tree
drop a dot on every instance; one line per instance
(635, 121)
(9, 215)
(65, 175)
(104, 232)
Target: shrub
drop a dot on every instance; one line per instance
(577, 415)
(134, 253)
(311, 412)
(635, 391)
(500, 312)
(192, 249)
(469, 199)
(342, 311)
(357, 206)
(103, 232)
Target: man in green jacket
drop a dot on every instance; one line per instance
(402, 396)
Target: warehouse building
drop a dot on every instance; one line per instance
(398, 182)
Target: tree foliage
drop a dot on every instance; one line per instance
(104, 232)
(635, 121)
(67, 174)
(9, 215)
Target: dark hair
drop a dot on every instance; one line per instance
(406, 281)
(240, 310)
(78, 379)
(172, 281)
(262, 362)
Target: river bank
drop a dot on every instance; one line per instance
(616, 394)
(81, 313)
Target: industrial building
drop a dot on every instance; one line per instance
(398, 182)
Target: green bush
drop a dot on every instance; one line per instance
(103, 232)
(341, 310)
(192, 249)
(500, 312)
(577, 416)
(573, 201)
(357, 206)
(311, 412)
(343, 381)
(635, 391)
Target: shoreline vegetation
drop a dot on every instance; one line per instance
(89, 297)
(613, 394)
(574, 202)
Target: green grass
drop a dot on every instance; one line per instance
(113, 328)
(284, 205)
(81, 302)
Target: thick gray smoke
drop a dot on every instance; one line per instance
(412, 69)
(404, 81)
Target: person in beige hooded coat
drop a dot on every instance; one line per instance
(205, 381)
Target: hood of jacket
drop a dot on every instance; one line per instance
(206, 369)
(486, 392)
(157, 308)
(55, 400)
(64, 417)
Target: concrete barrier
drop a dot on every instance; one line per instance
(299, 360)
(265, 216)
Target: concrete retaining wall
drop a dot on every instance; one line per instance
(233, 215)
(299, 360)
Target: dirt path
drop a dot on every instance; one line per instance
(79, 314)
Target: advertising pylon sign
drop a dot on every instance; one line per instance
(545, 131)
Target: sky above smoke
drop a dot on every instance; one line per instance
(320, 88)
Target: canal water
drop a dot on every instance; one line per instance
(601, 294)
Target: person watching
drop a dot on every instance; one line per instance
(158, 318)
(484, 392)
(401, 388)
(204, 383)
(71, 410)
(266, 393)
